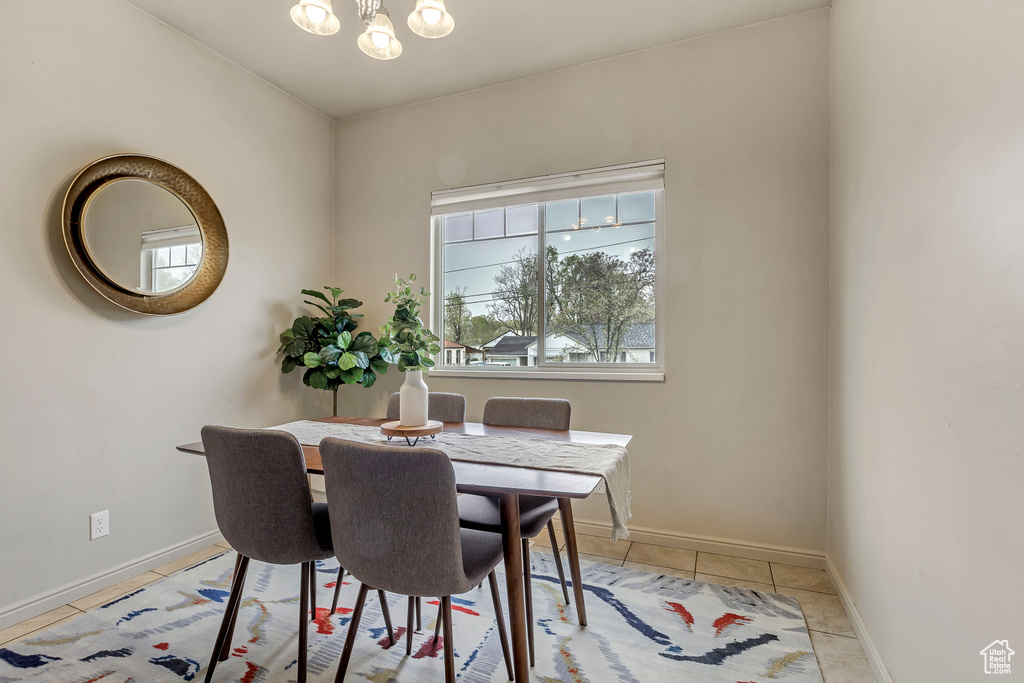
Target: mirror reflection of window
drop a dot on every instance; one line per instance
(169, 257)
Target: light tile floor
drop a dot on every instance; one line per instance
(35, 625)
(838, 651)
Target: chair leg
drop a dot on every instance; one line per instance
(225, 651)
(230, 609)
(312, 590)
(528, 584)
(558, 561)
(387, 615)
(449, 648)
(350, 639)
(303, 624)
(492, 579)
(419, 615)
(438, 621)
(408, 627)
(337, 590)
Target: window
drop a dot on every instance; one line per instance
(555, 274)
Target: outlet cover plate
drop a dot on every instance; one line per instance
(99, 525)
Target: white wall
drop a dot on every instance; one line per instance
(733, 444)
(94, 399)
(926, 469)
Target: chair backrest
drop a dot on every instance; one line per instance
(260, 493)
(442, 407)
(394, 517)
(536, 413)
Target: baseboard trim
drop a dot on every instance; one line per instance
(709, 544)
(44, 602)
(859, 627)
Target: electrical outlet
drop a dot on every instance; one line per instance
(99, 524)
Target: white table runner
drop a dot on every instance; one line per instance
(608, 461)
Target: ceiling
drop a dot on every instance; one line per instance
(494, 41)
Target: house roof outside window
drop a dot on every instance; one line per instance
(511, 346)
(638, 336)
(487, 346)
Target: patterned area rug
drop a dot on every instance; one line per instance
(642, 628)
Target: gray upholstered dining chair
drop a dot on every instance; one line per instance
(441, 407)
(395, 513)
(263, 508)
(535, 512)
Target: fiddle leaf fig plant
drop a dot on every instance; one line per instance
(328, 347)
(409, 343)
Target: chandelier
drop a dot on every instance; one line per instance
(430, 19)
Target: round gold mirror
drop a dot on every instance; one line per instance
(145, 234)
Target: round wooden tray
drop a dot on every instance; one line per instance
(411, 434)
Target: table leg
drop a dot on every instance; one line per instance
(569, 529)
(512, 543)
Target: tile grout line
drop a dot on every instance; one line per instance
(45, 626)
(720, 576)
(829, 633)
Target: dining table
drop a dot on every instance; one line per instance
(506, 484)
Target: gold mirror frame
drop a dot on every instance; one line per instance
(212, 266)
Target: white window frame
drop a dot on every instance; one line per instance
(162, 238)
(621, 179)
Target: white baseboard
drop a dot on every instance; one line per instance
(859, 627)
(44, 602)
(723, 546)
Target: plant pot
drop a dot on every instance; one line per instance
(413, 400)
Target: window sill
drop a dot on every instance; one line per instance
(585, 375)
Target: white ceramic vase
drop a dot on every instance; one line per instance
(413, 400)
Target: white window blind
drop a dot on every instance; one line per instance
(635, 177)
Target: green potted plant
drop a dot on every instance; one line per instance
(409, 345)
(328, 347)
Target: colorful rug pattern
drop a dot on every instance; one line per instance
(643, 628)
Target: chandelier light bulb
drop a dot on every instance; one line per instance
(379, 41)
(316, 14)
(316, 17)
(430, 19)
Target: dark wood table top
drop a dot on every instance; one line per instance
(474, 477)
